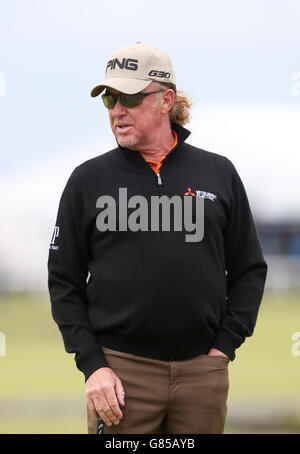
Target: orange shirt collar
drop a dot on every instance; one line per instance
(157, 165)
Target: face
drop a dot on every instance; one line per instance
(134, 127)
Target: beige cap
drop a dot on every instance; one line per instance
(132, 68)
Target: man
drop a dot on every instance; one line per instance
(156, 272)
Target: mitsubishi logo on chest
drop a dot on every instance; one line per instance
(203, 194)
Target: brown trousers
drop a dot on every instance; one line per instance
(169, 397)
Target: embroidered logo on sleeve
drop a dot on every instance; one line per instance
(54, 236)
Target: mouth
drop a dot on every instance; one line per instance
(123, 128)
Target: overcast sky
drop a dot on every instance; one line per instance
(52, 53)
(238, 60)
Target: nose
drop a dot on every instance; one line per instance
(118, 110)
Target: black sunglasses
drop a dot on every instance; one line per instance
(126, 100)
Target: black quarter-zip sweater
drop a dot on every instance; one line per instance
(148, 291)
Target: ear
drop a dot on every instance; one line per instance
(168, 99)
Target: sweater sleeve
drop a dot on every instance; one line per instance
(246, 271)
(67, 281)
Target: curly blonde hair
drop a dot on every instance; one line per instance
(180, 112)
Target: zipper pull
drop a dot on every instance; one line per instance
(159, 179)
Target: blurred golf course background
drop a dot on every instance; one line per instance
(42, 391)
(245, 89)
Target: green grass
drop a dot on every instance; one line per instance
(36, 363)
(59, 425)
(264, 366)
(37, 370)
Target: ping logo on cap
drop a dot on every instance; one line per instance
(126, 63)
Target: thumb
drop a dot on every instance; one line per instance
(120, 393)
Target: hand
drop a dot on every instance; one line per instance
(216, 352)
(104, 393)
